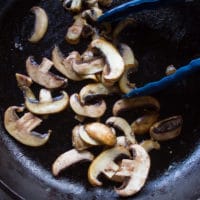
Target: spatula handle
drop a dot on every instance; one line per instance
(156, 86)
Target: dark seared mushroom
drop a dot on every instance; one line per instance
(41, 75)
(137, 102)
(167, 129)
(21, 128)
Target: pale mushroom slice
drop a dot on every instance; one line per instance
(90, 67)
(41, 24)
(131, 64)
(41, 74)
(69, 158)
(91, 110)
(95, 90)
(170, 70)
(72, 5)
(123, 125)
(167, 129)
(135, 172)
(149, 145)
(93, 13)
(143, 124)
(46, 104)
(146, 102)
(101, 133)
(104, 163)
(77, 141)
(22, 128)
(74, 32)
(23, 80)
(64, 65)
(115, 64)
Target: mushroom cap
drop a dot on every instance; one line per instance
(140, 166)
(69, 158)
(41, 75)
(115, 64)
(104, 163)
(41, 24)
(21, 128)
(93, 110)
(56, 105)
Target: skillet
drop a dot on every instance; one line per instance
(164, 36)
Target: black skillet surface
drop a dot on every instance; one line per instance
(163, 36)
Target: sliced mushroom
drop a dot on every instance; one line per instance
(137, 102)
(131, 64)
(69, 158)
(122, 141)
(123, 125)
(94, 110)
(74, 32)
(135, 172)
(23, 80)
(170, 70)
(149, 145)
(106, 3)
(21, 128)
(92, 3)
(47, 105)
(121, 26)
(93, 13)
(87, 138)
(41, 24)
(104, 163)
(72, 5)
(115, 64)
(142, 125)
(64, 65)
(101, 133)
(167, 129)
(95, 90)
(77, 141)
(41, 75)
(91, 67)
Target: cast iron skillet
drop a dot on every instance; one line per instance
(164, 36)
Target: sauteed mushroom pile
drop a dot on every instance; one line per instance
(106, 63)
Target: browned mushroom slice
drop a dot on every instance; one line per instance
(21, 128)
(149, 145)
(64, 65)
(92, 3)
(115, 64)
(91, 67)
(106, 3)
(123, 125)
(69, 158)
(167, 129)
(143, 124)
(93, 13)
(72, 5)
(95, 90)
(137, 102)
(41, 24)
(47, 105)
(135, 172)
(93, 110)
(74, 32)
(104, 163)
(77, 141)
(41, 75)
(131, 64)
(101, 133)
(23, 80)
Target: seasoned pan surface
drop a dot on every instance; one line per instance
(163, 36)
